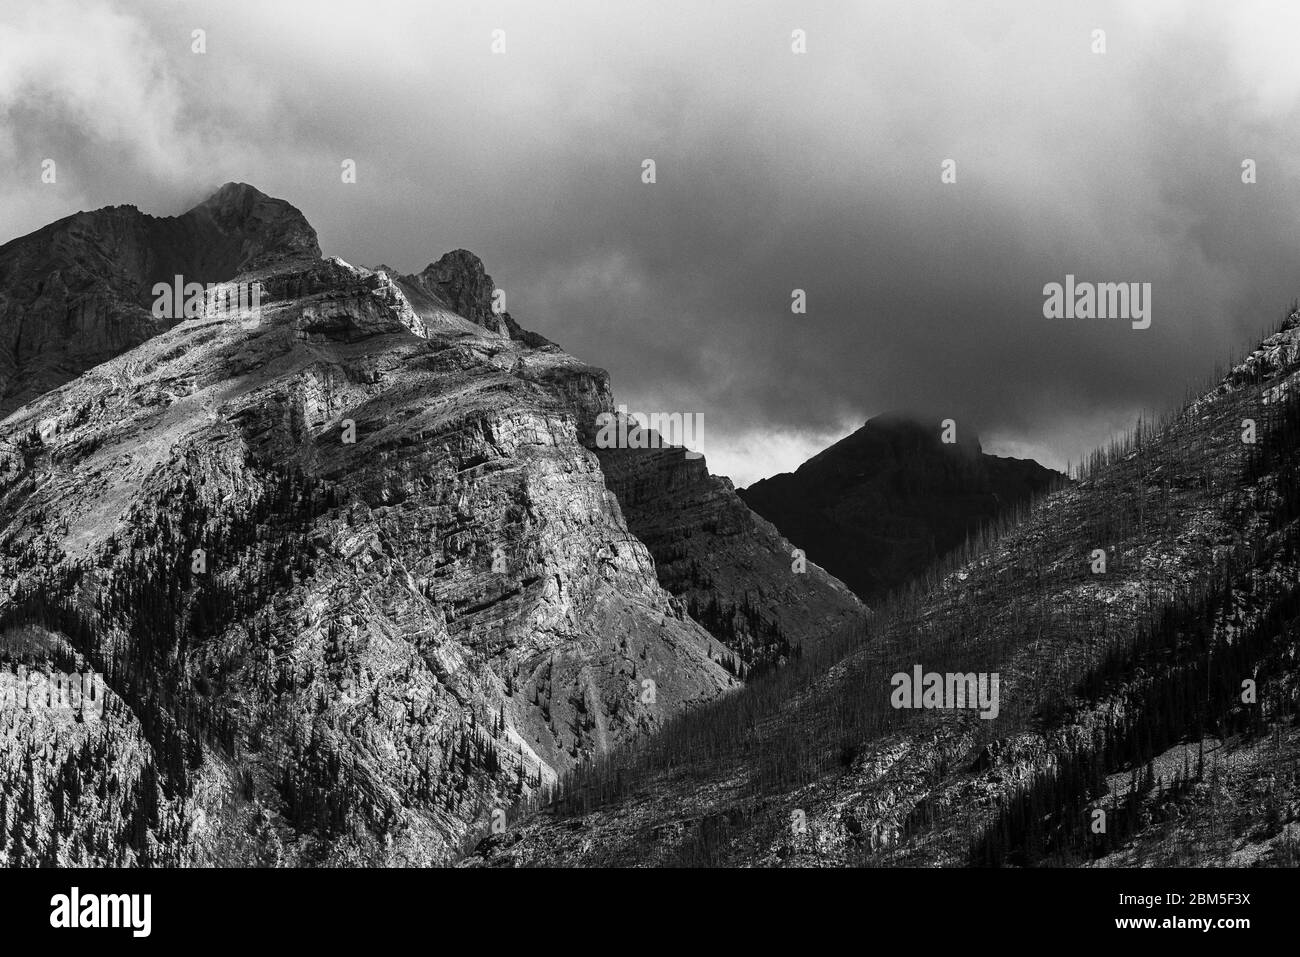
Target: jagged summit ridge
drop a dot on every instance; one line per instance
(458, 284)
(79, 291)
(461, 280)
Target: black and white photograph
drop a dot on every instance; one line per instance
(550, 451)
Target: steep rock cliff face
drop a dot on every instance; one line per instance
(354, 576)
(738, 576)
(79, 291)
(734, 572)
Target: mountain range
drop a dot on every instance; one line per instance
(350, 563)
(364, 588)
(1137, 629)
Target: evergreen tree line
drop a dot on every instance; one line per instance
(70, 803)
(756, 643)
(143, 615)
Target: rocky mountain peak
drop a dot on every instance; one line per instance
(235, 195)
(923, 430)
(79, 291)
(457, 287)
(267, 229)
(460, 280)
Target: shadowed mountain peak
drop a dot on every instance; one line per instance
(897, 432)
(257, 228)
(880, 505)
(461, 280)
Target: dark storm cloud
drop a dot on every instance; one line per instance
(775, 172)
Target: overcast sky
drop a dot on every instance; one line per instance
(775, 171)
